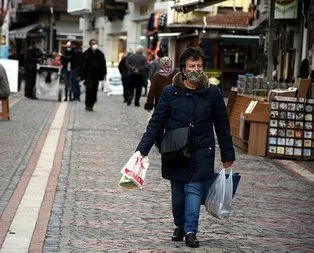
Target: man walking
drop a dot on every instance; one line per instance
(76, 60)
(93, 70)
(33, 57)
(124, 75)
(136, 64)
(66, 70)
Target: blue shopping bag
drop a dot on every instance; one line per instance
(235, 180)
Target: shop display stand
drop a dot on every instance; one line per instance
(291, 132)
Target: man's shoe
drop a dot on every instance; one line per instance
(178, 235)
(35, 98)
(137, 104)
(191, 240)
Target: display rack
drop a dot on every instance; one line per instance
(291, 133)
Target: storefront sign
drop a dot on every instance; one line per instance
(214, 76)
(286, 9)
(115, 9)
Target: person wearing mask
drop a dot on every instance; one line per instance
(136, 64)
(123, 69)
(162, 78)
(66, 70)
(34, 56)
(77, 58)
(190, 99)
(92, 71)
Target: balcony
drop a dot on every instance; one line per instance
(79, 7)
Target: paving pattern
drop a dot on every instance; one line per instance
(273, 210)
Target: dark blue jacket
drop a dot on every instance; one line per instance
(176, 108)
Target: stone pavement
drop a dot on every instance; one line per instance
(273, 208)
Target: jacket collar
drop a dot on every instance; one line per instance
(177, 83)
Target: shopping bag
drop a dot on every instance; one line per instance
(127, 183)
(106, 87)
(134, 170)
(219, 197)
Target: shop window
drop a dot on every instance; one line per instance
(234, 58)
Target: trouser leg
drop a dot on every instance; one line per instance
(131, 87)
(138, 87)
(28, 84)
(193, 196)
(178, 203)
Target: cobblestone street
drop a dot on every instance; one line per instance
(273, 209)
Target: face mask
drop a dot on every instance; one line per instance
(195, 77)
(94, 47)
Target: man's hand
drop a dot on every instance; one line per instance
(227, 164)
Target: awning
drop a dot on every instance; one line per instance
(21, 33)
(67, 30)
(190, 5)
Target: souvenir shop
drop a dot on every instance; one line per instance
(278, 123)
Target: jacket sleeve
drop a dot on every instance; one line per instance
(156, 124)
(151, 95)
(105, 65)
(222, 126)
(120, 66)
(82, 74)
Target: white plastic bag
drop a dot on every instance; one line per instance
(219, 197)
(134, 171)
(106, 87)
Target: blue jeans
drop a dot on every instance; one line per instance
(187, 198)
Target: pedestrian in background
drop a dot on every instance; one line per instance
(123, 69)
(76, 61)
(159, 80)
(34, 56)
(93, 71)
(190, 97)
(136, 64)
(55, 59)
(4, 83)
(66, 70)
(305, 69)
(155, 65)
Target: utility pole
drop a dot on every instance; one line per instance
(271, 26)
(51, 30)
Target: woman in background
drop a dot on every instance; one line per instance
(159, 80)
